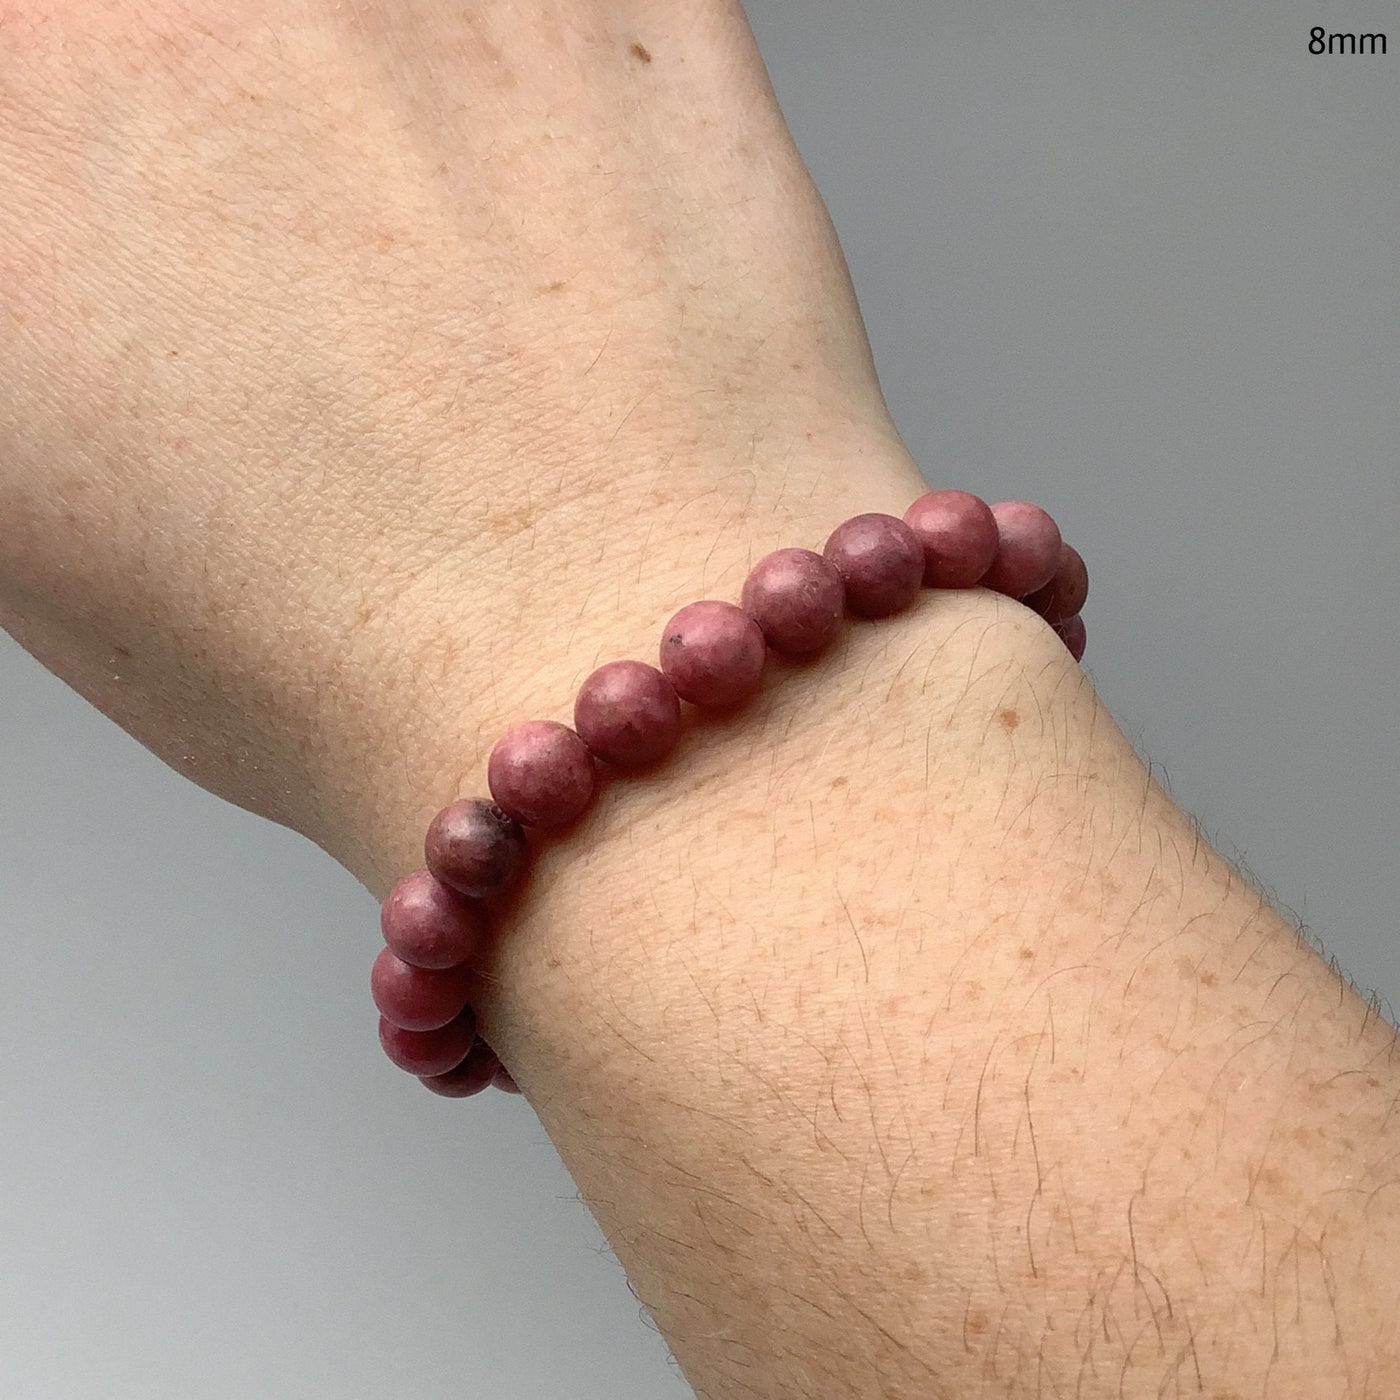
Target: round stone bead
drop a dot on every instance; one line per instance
(541, 773)
(429, 1052)
(1072, 634)
(474, 848)
(429, 925)
(881, 563)
(1028, 549)
(628, 713)
(470, 1077)
(414, 999)
(797, 598)
(1065, 594)
(713, 654)
(959, 534)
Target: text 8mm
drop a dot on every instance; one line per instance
(1323, 42)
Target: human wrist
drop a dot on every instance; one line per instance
(507, 620)
(948, 665)
(544, 775)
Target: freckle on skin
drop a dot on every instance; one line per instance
(1008, 719)
(640, 53)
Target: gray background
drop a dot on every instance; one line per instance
(1134, 260)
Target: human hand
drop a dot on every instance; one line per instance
(352, 353)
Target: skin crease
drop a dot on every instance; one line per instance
(370, 374)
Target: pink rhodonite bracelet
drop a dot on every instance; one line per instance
(628, 714)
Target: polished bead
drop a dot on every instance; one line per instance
(415, 999)
(429, 1052)
(881, 563)
(431, 926)
(1072, 634)
(1028, 549)
(541, 773)
(713, 654)
(475, 1073)
(1064, 595)
(475, 848)
(797, 598)
(959, 535)
(628, 713)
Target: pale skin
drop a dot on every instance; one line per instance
(370, 373)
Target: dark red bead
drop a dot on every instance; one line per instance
(475, 1073)
(797, 598)
(429, 1052)
(541, 773)
(475, 848)
(628, 713)
(881, 563)
(1065, 594)
(1072, 634)
(504, 1081)
(959, 534)
(1028, 549)
(713, 654)
(415, 999)
(431, 926)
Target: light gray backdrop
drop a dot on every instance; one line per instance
(1136, 260)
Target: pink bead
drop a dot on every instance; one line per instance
(541, 773)
(713, 654)
(429, 1052)
(628, 713)
(1065, 594)
(959, 534)
(474, 848)
(470, 1077)
(429, 925)
(797, 598)
(414, 999)
(1072, 634)
(881, 563)
(1028, 549)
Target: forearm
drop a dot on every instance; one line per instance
(905, 1039)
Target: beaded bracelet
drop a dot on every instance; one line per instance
(628, 714)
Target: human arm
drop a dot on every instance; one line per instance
(342, 404)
